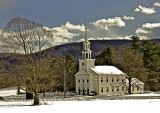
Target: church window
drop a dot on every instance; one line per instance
(106, 79)
(87, 80)
(117, 79)
(82, 64)
(83, 81)
(107, 89)
(79, 91)
(112, 89)
(86, 55)
(87, 91)
(101, 89)
(101, 79)
(122, 80)
(79, 81)
(122, 88)
(117, 88)
(112, 79)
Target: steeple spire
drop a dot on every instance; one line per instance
(86, 38)
(86, 52)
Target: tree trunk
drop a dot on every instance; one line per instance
(64, 89)
(129, 87)
(36, 99)
(44, 94)
(18, 89)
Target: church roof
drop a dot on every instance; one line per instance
(82, 72)
(134, 81)
(106, 70)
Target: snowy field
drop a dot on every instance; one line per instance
(97, 106)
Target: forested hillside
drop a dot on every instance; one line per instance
(76, 48)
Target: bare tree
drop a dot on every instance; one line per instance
(64, 70)
(131, 62)
(26, 37)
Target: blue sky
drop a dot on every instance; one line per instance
(106, 19)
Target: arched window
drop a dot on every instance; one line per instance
(86, 55)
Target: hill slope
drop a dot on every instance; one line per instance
(76, 48)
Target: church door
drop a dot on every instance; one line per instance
(79, 91)
(83, 91)
(87, 91)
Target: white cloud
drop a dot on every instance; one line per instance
(128, 17)
(150, 30)
(61, 32)
(104, 38)
(151, 25)
(60, 40)
(142, 30)
(125, 38)
(70, 26)
(105, 24)
(157, 4)
(100, 38)
(64, 33)
(91, 39)
(145, 10)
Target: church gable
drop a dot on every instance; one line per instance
(82, 72)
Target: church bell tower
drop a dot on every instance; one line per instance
(86, 62)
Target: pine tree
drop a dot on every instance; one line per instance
(135, 43)
(151, 57)
(106, 57)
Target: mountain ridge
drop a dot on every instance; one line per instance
(75, 48)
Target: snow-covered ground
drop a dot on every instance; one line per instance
(99, 106)
(9, 91)
(149, 94)
(12, 104)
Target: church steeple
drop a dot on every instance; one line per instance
(86, 38)
(86, 53)
(86, 62)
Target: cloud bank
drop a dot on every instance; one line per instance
(107, 23)
(145, 10)
(150, 30)
(70, 26)
(66, 33)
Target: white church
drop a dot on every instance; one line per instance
(104, 80)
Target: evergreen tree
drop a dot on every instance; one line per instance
(151, 57)
(135, 42)
(106, 57)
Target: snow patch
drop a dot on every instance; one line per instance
(107, 70)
